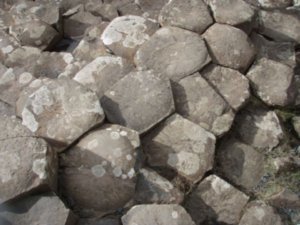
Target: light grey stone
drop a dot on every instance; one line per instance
(151, 8)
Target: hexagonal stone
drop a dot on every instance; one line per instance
(190, 15)
(103, 72)
(151, 8)
(231, 84)
(197, 101)
(229, 46)
(125, 34)
(157, 214)
(259, 127)
(35, 33)
(134, 108)
(240, 163)
(283, 52)
(173, 52)
(216, 201)
(280, 25)
(61, 111)
(153, 188)
(47, 209)
(273, 82)
(233, 12)
(102, 165)
(271, 4)
(27, 163)
(182, 146)
(260, 213)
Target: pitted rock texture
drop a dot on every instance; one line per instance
(102, 164)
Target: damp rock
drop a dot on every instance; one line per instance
(207, 203)
(240, 163)
(182, 146)
(273, 82)
(103, 72)
(229, 46)
(61, 111)
(150, 101)
(27, 163)
(125, 34)
(168, 53)
(157, 214)
(39, 209)
(191, 15)
(152, 188)
(231, 84)
(101, 164)
(197, 101)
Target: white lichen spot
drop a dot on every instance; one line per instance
(219, 186)
(117, 171)
(117, 152)
(123, 133)
(36, 83)
(25, 78)
(184, 162)
(41, 98)
(68, 58)
(114, 135)
(29, 120)
(92, 144)
(112, 93)
(131, 173)
(98, 170)
(174, 215)
(39, 168)
(8, 76)
(7, 49)
(128, 157)
(260, 213)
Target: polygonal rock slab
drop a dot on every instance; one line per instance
(191, 15)
(153, 188)
(35, 33)
(233, 12)
(173, 52)
(240, 163)
(260, 213)
(182, 146)
(197, 101)
(103, 72)
(283, 52)
(231, 84)
(148, 102)
(38, 210)
(259, 128)
(280, 25)
(61, 110)
(27, 163)
(125, 34)
(157, 214)
(273, 82)
(102, 165)
(271, 4)
(216, 201)
(229, 46)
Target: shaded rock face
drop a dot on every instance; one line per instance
(148, 92)
(197, 101)
(38, 210)
(168, 53)
(182, 146)
(157, 214)
(27, 163)
(207, 202)
(98, 173)
(61, 110)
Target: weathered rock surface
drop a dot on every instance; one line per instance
(182, 146)
(169, 51)
(271, 4)
(259, 128)
(231, 84)
(285, 198)
(103, 72)
(38, 210)
(259, 213)
(98, 173)
(27, 163)
(151, 8)
(153, 188)
(106, 11)
(191, 15)
(296, 124)
(197, 101)
(216, 201)
(7, 45)
(280, 25)
(134, 109)
(108, 221)
(229, 46)
(236, 13)
(240, 163)
(61, 111)
(125, 34)
(6, 109)
(157, 214)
